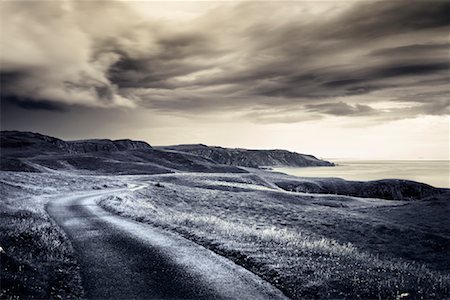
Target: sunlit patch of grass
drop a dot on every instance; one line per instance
(328, 268)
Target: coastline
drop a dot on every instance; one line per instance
(432, 172)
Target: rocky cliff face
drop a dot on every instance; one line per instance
(251, 158)
(87, 146)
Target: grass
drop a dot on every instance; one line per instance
(37, 259)
(293, 241)
(310, 246)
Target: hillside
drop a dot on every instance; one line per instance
(250, 158)
(31, 143)
(390, 189)
(34, 152)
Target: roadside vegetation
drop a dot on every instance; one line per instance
(310, 246)
(37, 259)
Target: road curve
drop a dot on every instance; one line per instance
(124, 259)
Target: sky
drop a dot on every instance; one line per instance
(337, 79)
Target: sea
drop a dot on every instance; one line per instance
(432, 172)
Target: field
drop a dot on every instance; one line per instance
(308, 245)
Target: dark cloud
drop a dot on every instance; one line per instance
(340, 109)
(342, 82)
(9, 78)
(376, 19)
(33, 104)
(149, 72)
(410, 70)
(411, 50)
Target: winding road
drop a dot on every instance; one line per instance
(124, 259)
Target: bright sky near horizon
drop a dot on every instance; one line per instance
(342, 79)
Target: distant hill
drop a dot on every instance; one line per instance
(34, 152)
(20, 141)
(390, 189)
(250, 158)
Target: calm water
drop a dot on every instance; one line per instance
(433, 172)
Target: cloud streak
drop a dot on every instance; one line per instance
(270, 61)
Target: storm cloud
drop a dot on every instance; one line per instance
(286, 61)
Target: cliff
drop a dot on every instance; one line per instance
(250, 158)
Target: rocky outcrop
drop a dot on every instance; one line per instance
(87, 146)
(251, 158)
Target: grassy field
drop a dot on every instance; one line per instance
(310, 246)
(37, 259)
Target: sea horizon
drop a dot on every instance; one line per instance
(432, 172)
(381, 159)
